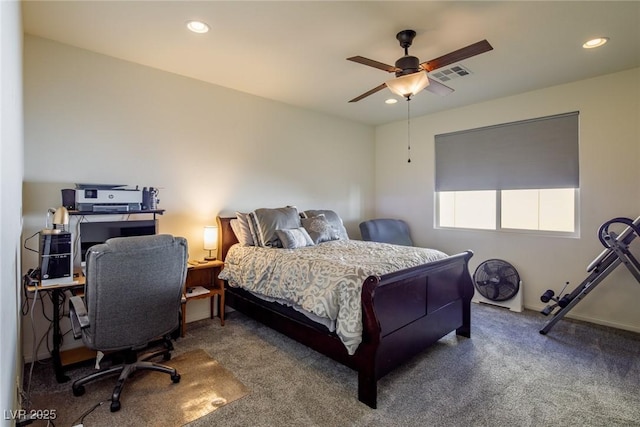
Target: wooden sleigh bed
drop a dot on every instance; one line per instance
(403, 313)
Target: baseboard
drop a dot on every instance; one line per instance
(588, 319)
(45, 354)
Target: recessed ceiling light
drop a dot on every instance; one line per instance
(597, 42)
(391, 101)
(197, 27)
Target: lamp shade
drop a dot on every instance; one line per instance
(408, 85)
(210, 241)
(60, 217)
(210, 237)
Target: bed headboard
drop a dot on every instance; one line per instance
(226, 236)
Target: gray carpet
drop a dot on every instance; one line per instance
(204, 387)
(507, 374)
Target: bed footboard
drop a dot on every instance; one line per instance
(407, 311)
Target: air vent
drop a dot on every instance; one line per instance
(447, 74)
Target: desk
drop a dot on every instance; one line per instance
(61, 359)
(205, 275)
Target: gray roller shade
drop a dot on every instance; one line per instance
(536, 153)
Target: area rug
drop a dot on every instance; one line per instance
(149, 398)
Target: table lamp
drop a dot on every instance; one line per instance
(60, 220)
(210, 241)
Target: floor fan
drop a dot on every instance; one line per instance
(498, 283)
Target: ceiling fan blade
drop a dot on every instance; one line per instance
(438, 88)
(375, 64)
(457, 55)
(371, 92)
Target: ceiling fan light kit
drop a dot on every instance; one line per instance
(409, 84)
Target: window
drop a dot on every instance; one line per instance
(550, 210)
(521, 175)
(468, 209)
(544, 210)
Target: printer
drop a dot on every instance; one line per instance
(107, 198)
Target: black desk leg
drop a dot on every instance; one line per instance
(57, 337)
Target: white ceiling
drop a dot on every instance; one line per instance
(295, 51)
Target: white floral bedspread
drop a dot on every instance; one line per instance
(325, 279)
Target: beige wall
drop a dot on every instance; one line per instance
(609, 176)
(11, 140)
(90, 118)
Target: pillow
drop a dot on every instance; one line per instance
(235, 227)
(333, 218)
(267, 221)
(319, 229)
(242, 229)
(294, 238)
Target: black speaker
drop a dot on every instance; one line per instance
(69, 198)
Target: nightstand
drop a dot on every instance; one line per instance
(205, 276)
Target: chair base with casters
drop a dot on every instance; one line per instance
(131, 364)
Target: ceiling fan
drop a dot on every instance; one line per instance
(410, 65)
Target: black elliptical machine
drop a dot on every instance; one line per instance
(616, 252)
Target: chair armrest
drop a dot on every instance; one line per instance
(78, 316)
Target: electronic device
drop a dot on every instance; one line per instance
(108, 199)
(497, 282)
(150, 198)
(94, 233)
(69, 198)
(55, 257)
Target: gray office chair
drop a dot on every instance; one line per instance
(386, 230)
(132, 298)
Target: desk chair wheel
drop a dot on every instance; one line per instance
(115, 406)
(78, 390)
(175, 378)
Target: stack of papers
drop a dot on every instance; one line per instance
(196, 290)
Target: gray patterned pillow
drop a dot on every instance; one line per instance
(333, 218)
(242, 229)
(294, 238)
(319, 229)
(267, 221)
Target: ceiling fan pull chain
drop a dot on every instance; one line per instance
(408, 129)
